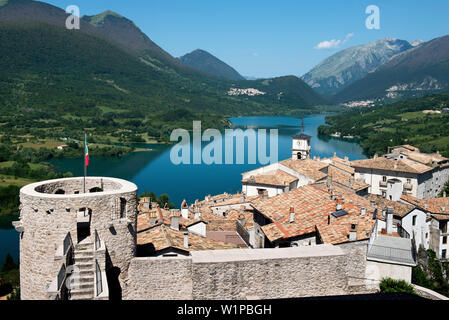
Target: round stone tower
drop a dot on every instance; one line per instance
(51, 212)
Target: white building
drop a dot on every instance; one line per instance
(437, 211)
(405, 170)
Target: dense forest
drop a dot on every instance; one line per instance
(399, 123)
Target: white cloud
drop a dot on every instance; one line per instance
(333, 44)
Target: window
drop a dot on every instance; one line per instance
(384, 179)
(409, 181)
(122, 208)
(443, 254)
(414, 221)
(384, 194)
(445, 240)
(261, 191)
(443, 226)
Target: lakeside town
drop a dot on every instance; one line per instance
(367, 220)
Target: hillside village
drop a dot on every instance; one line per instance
(356, 222)
(389, 205)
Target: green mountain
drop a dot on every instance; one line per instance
(349, 65)
(206, 62)
(421, 70)
(110, 76)
(287, 90)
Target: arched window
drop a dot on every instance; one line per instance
(59, 191)
(96, 189)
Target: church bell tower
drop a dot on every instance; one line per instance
(301, 147)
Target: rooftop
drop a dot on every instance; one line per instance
(163, 237)
(273, 178)
(400, 209)
(346, 179)
(382, 163)
(434, 206)
(302, 136)
(308, 167)
(312, 208)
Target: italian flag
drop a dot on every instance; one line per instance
(86, 152)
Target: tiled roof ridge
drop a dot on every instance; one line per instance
(167, 236)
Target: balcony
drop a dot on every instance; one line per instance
(408, 186)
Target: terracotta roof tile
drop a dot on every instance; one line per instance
(381, 163)
(274, 178)
(435, 206)
(400, 209)
(308, 167)
(312, 207)
(163, 237)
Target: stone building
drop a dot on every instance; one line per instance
(80, 246)
(62, 229)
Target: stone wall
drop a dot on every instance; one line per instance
(241, 273)
(160, 278)
(47, 218)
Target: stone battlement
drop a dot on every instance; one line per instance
(74, 187)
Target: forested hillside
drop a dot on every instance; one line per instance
(398, 123)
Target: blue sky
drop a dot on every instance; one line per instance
(267, 38)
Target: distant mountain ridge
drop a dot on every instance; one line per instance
(421, 70)
(349, 65)
(208, 63)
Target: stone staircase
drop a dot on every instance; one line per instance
(83, 277)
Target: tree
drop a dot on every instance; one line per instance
(164, 199)
(445, 189)
(388, 285)
(9, 264)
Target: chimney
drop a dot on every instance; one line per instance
(444, 194)
(265, 195)
(389, 223)
(376, 156)
(339, 206)
(353, 234)
(373, 203)
(346, 158)
(335, 154)
(174, 222)
(292, 214)
(242, 220)
(184, 209)
(186, 240)
(363, 212)
(242, 198)
(443, 209)
(197, 214)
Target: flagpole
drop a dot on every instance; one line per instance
(84, 158)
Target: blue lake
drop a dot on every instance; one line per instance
(154, 171)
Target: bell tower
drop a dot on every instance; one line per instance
(301, 147)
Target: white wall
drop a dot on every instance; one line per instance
(374, 177)
(420, 229)
(377, 271)
(198, 229)
(252, 190)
